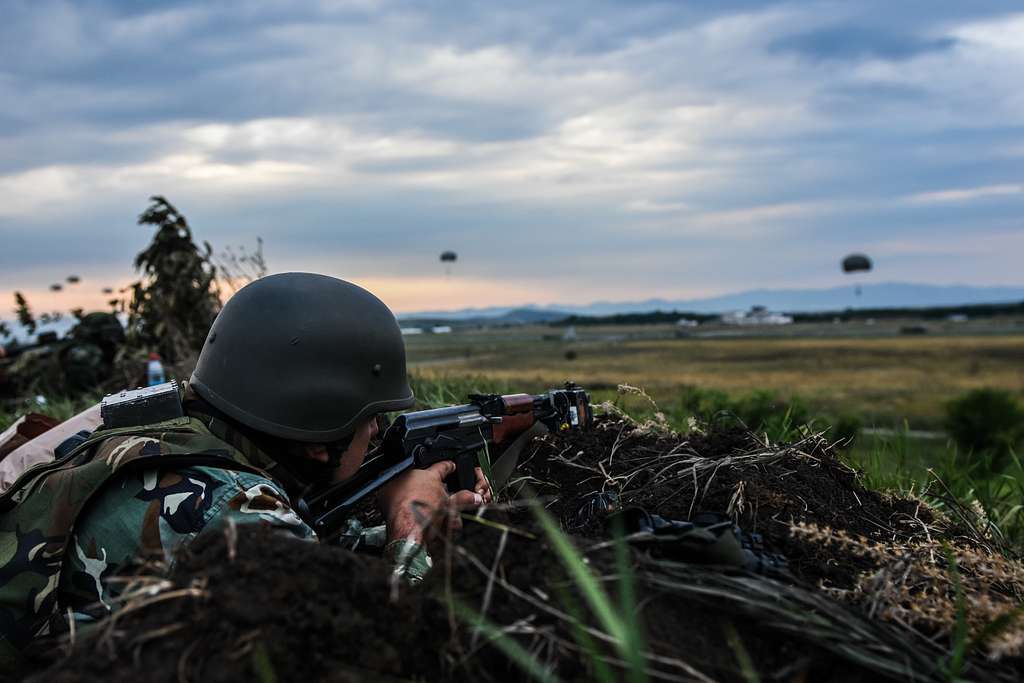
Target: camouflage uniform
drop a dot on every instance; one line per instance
(130, 494)
(149, 514)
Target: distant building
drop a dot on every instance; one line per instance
(757, 315)
(686, 322)
(957, 317)
(411, 330)
(570, 334)
(441, 329)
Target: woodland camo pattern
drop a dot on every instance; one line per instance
(139, 492)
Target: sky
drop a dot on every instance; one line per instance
(568, 152)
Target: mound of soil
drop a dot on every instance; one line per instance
(283, 609)
(267, 607)
(765, 489)
(269, 604)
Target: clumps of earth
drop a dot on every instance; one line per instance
(871, 590)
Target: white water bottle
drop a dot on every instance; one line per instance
(155, 370)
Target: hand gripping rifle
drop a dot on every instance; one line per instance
(456, 433)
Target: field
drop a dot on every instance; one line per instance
(868, 372)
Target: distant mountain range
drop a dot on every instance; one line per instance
(881, 295)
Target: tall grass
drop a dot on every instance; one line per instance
(970, 488)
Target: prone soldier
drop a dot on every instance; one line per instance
(285, 396)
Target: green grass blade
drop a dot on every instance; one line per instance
(959, 638)
(747, 668)
(484, 457)
(509, 647)
(261, 664)
(634, 644)
(586, 642)
(584, 579)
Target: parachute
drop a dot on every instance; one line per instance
(855, 263)
(73, 279)
(448, 258)
(56, 287)
(108, 290)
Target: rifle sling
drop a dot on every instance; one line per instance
(506, 463)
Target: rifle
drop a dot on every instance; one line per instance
(420, 439)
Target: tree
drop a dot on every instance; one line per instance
(175, 301)
(24, 313)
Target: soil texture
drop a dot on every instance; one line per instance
(263, 606)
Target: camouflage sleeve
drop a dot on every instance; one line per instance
(151, 515)
(410, 559)
(251, 499)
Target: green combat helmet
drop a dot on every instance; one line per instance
(303, 357)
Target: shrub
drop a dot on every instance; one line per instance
(705, 404)
(845, 429)
(986, 421)
(764, 411)
(760, 411)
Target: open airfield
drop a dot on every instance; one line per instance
(888, 374)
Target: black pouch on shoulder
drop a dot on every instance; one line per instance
(136, 407)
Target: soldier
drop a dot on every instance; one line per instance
(286, 395)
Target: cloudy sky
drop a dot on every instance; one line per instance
(568, 151)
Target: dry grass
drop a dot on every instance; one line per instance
(887, 379)
(916, 586)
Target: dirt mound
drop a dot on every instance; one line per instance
(264, 606)
(766, 489)
(266, 603)
(287, 610)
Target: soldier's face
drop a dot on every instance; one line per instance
(353, 456)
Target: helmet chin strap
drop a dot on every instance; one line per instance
(336, 451)
(295, 472)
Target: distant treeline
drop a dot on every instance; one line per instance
(650, 318)
(934, 313)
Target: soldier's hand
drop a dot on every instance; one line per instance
(416, 504)
(483, 487)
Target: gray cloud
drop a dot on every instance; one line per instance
(655, 147)
(856, 42)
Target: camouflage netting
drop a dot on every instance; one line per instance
(873, 594)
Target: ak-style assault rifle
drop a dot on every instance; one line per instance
(456, 433)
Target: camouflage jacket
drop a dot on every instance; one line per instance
(126, 495)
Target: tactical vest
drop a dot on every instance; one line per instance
(38, 514)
